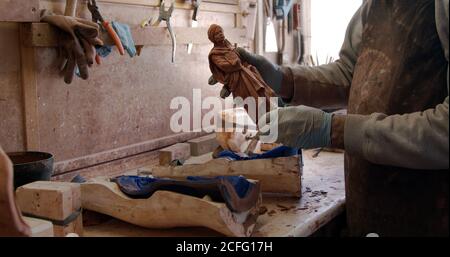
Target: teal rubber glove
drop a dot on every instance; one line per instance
(270, 72)
(298, 127)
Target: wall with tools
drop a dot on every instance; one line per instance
(116, 119)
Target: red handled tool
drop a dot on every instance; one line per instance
(97, 17)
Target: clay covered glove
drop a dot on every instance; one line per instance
(78, 39)
(298, 127)
(270, 72)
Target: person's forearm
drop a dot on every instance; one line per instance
(321, 87)
(416, 141)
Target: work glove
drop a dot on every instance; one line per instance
(78, 39)
(270, 72)
(298, 127)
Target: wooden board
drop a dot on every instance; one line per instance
(203, 145)
(284, 216)
(75, 226)
(286, 172)
(49, 200)
(29, 89)
(19, 10)
(207, 5)
(165, 209)
(86, 164)
(180, 151)
(39, 227)
(12, 130)
(44, 35)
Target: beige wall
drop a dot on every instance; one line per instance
(122, 110)
(11, 112)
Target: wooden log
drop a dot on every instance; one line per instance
(181, 151)
(279, 175)
(58, 202)
(166, 209)
(203, 145)
(39, 227)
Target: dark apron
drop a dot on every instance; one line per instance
(401, 69)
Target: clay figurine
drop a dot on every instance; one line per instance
(241, 79)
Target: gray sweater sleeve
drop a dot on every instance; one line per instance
(326, 86)
(417, 140)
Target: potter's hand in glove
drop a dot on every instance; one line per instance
(298, 127)
(270, 72)
(78, 38)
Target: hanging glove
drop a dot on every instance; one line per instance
(270, 72)
(78, 39)
(298, 127)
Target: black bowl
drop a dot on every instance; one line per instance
(31, 166)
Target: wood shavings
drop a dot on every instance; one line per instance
(262, 210)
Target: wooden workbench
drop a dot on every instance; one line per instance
(323, 199)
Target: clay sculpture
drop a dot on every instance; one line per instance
(240, 78)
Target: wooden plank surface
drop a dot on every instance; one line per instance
(49, 200)
(39, 227)
(203, 145)
(44, 35)
(180, 151)
(228, 6)
(323, 199)
(12, 128)
(19, 10)
(120, 154)
(29, 89)
(287, 171)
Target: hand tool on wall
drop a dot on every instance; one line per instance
(281, 49)
(298, 35)
(165, 16)
(282, 8)
(290, 22)
(194, 22)
(97, 17)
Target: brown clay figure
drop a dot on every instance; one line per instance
(240, 78)
(11, 221)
